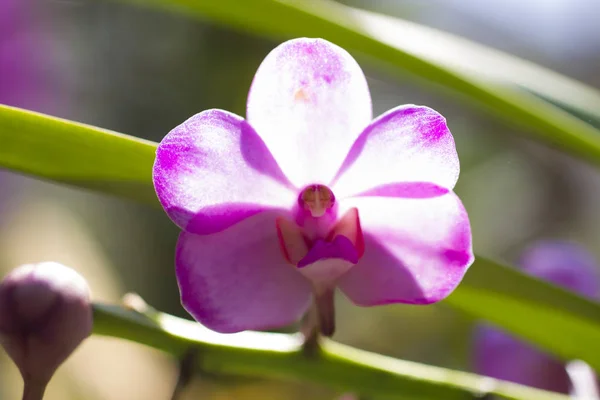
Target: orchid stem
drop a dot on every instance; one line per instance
(324, 302)
(310, 331)
(319, 320)
(277, 355)
(187, 365)
(33, 390)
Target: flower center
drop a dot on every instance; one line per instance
(316, 199)
(320, 244)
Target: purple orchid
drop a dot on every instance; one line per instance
(502, 356)
(309, 194)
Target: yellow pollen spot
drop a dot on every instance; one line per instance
(301, 95)
(317, 199)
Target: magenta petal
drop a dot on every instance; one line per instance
(213, 171)
(406, 144)
(416, 249)
(414, 190)
(238, 279)
(309, 101)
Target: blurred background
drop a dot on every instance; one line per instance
(142, 72)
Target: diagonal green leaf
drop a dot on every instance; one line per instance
(478, 61)
(114, 163)
(76, 154)
(486, 77)
(560, 321)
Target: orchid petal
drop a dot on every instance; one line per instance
(416, 249)
(238, 279)
(213, 171)
(309, 101)
(406, 144)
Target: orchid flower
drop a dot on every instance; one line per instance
(502, 356)
(308, 194)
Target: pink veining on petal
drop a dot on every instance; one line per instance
(416, 249)
(406, 144)
(213, 171)
(309, 101)
(412, 190)
(237, 279)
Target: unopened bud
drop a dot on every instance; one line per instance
(45, 313)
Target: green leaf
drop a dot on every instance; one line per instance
(277, 355)
(560, 321)
(487, 77)
(76, 154)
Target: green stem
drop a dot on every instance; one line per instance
(277, 355)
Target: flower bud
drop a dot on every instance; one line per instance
(45, 313)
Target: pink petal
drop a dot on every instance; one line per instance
(407, 144)
(309, 101)
(238, 279)
(416, 249)
(213, 171)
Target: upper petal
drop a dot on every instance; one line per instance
(213, 170)
(309, 101)
(417, 249)
(238, 279)
(406, 144)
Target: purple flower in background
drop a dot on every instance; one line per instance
(307, 194)
(25, 66)
(22, 82)
(500, 355)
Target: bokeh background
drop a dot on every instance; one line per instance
(142, 72)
